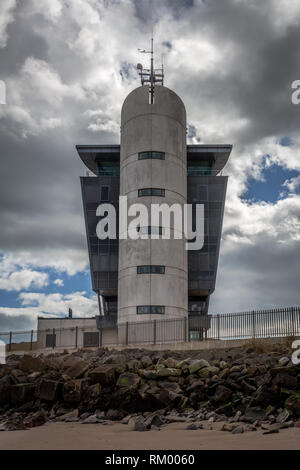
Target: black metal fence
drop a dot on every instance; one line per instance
(273, 323)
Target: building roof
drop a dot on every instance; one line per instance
(217, 154)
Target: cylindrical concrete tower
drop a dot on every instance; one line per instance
(153, 273)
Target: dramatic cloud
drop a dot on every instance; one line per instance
(68, 65)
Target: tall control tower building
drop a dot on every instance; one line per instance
(153, 278)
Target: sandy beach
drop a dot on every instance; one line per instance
(116, 436)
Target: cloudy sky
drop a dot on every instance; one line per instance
(69, 64)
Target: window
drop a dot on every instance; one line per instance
(150, 269)
(151, 192)
(150, 309)
(150, 230)
(91, 339)
(151, 155)
(50, 341)
(104, 193)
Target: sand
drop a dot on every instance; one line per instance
(117, 436)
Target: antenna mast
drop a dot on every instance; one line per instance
(151, 76)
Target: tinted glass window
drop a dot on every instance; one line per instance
(104, 193)
(151, 269)
(151, 155)
(151, 192)
(150, 309)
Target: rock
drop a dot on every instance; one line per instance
(293, 404)
(265, 396)
(238, 430)
(224, 373)
(204, 373)
(114, 415)
(283, 361)
(133, 365)
(168, 372)
(93, 392)
(70, 417)
(229, 427)
(104, 374)
(22, 393)
(138, 423)
(285, 380)
(255, 413)
(31, 364)
(33, 376)
(198, 364)
(222, 394)
(297, 424)
(78, 369)
(90, 420)
(236, 369)
(194, 426)
(148, 374)
(154, 420)
(271, 431)
(37, 419)
(4, 390)
(283, 416)
(129, 380)
(146, 361)
(170, 362)
(175, 419)
(222, 365)
(73, 390)
(49, 390)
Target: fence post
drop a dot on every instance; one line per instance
(31, 340)
(10, 341)
(76, 337)
(253, 324)
(218, 326)
(185, 329)
(126, 334)
(100, 338)
(188, 330)
(293, 322)
(53, 338)
(154, 331)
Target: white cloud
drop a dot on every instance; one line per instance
(58, 282)
(23, 279)
(6, 17)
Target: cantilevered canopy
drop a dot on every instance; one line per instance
(91, 155)
(217, 155)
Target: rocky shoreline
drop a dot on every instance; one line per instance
(247, 388)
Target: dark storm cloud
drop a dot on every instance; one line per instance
(231, 62)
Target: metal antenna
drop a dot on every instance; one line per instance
(151, 76)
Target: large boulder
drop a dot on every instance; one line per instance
(168, 372)
(78, 369)
(73, 390)
(293, 404)
(129, 380)
(222, 394)
(148, 374)
(133, 365)
(255, 413)
(32, 364)
(4, 390)
(104, 374)
(49, 390)
(22, 393)
(197, 365)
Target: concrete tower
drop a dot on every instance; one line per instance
(153, 272)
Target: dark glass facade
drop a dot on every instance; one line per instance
(204, 187)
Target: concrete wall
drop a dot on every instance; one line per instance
(158, 127)
(65, 332)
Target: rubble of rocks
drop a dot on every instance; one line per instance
(240, 388)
